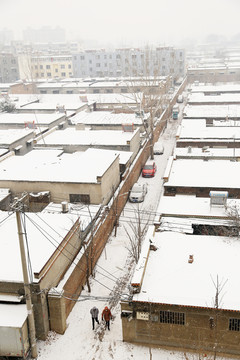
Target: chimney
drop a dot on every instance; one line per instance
(64, 207)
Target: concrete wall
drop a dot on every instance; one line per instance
(196, 334)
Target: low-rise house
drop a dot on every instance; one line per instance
(212, 215)
(53, 242)
(198, 133)
(16, 140)
(212, 112)
(72, 140)
(31, 121)
(106, 120)
(176, 299)
(199, 177)
(86, 177)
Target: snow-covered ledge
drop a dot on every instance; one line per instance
(139, 272)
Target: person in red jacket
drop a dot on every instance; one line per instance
(107, 315)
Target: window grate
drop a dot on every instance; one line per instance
(170, 317)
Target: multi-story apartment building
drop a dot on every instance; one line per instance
(129, 62)
(9, 71)
(51, 66)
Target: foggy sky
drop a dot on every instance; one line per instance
(125, 21)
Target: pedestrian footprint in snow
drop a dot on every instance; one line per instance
(94, 312)
(107, 315)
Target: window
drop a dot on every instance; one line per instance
(83, 198)
(56, 70)
(170, 317)
(69, 92)
(47, 66)
(97, 64)
(69, 66)
(96, 91)
(234, 324)
(63, 74)
(42, 74)
(82, 57)
(41, 67)
(49, 74)
(90, 61)
(35, 66)
(55, 91)
(62, 66)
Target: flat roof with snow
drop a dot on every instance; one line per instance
(191, 284)
(87, 137)
(53, 227)
(201, 98)
(192, 129)
(7, 137)
(53, 166)
(38, 119)
(12, 315)
(192, 206)
(200, 173)
(211, 111)
(105, 118)
(223, 88)
(209, 153)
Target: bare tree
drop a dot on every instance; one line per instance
(137, 231)
(149, 91)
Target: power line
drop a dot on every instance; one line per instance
(72, 262)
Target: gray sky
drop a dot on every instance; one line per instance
(125, 21)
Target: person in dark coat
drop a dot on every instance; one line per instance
(94, 312)
(107, 315)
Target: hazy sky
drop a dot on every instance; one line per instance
(125, 21)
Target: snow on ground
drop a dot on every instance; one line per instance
(112, 274)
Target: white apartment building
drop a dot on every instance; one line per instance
(129, 62)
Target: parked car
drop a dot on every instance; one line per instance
(149, 169)
(158, 148)
(138, 192)
(180, 99)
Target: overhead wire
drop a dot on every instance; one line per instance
(71, 261)
(75, 248)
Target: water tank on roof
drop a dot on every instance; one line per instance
(218, 197)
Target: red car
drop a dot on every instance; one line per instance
(149, 169)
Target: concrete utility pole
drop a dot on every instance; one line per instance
(27, 288)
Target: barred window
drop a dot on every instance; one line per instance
(170, 317)
(234, 324)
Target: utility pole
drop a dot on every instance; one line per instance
(27, 287)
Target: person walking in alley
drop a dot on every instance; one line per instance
(107, 315)
(94, 312)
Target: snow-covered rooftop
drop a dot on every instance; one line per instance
(212, 111)
(210, 153)
(200, 173)
(170, 279)
(87, 137)
(192, 206)
(8, 137)
(40, 228)
(13, 315)
(105, 117)
(85, 212)
(227, 87)
(192, 129)
(201, 98)
(49, 166)
(38, 119)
